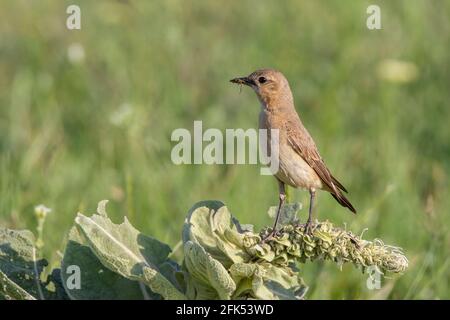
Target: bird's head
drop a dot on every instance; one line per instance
(270, 85)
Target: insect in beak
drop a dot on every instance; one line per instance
(243, 81)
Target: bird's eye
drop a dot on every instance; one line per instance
(262, 80)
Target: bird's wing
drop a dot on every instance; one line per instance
(302, 143)
(338, 184)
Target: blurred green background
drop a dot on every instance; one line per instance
(87, 115)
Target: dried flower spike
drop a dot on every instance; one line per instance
(326, 242)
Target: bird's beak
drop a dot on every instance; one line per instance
(244, 80)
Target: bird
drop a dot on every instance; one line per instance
(300, 163)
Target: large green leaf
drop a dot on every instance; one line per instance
(208, 277)
(210, 224)
(125, 251)
(96, 281)
(19, 264)
(266, 281)
(9, 290)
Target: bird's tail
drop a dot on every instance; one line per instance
(343, 201)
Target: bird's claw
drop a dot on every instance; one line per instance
(308, 227)
(269, 236)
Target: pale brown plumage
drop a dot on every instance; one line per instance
(301, 165)
(300, 140)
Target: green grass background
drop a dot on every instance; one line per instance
(73, 132)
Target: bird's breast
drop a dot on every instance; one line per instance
(295, 171)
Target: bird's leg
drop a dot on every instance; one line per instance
(308, 226)
(282, 198)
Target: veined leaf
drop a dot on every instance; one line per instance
(210, 224)
(18, 261)
(210, 278)
(9, 290)
(126, 251)
(96, 281)
(266, 281)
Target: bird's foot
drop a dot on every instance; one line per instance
(269, 236)
(309, 227)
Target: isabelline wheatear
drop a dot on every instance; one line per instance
(300, 164)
